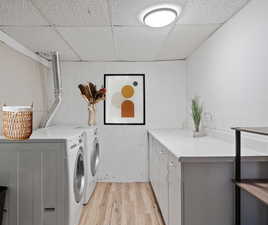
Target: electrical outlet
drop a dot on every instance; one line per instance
(208, 117)
(209, 120)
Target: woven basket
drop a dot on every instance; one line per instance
(17, 122)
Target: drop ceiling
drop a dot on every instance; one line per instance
(109, 30)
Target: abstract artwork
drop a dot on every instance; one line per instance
(125, 99)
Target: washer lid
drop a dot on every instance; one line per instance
(56, 133)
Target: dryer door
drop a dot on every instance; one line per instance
(79, 176)
(95, 157)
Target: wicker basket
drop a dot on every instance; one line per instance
(17, 122)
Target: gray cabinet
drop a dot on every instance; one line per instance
(35, 187)
(199, 191)
(29, 188)
(8, 177)
(158, 172)
(163, 181)
(174, 181)
(153, 164)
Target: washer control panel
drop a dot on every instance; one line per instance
(77, 142)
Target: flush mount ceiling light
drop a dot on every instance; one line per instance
(160, 16)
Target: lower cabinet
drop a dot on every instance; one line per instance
(174, 191)
(163, 181)
(164, 177)
(199, 191)
(153, 164)
(35, 188)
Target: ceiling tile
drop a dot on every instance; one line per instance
(19, 12)
(138, 43)
(41, 39)
(92, 43)
(209, 11)
(184, 39)
(74, 13)
(126, 12)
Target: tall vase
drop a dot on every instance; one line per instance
(198, 132)
(92, 114)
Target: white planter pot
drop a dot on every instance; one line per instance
(199, 134)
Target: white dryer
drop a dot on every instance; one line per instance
(92, 155)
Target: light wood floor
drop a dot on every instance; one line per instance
(121, 204)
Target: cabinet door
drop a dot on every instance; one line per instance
(154, 166)
(157, 172)
(50, 187)
(54, 185)
(34, 174)
(8, 177)
(30, 191)
(151, 159)
(163, 182)
(174, 191)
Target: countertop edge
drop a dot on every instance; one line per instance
(37, 140)
(206, 159)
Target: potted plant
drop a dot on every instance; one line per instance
(197, 111)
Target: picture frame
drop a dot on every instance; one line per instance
(125, 99)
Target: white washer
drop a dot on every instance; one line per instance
(92, 155)
(75, 162)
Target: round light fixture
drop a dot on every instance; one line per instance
(160, 16)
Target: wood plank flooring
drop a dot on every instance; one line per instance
(122, 204)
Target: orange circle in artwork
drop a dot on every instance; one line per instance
(127, 91)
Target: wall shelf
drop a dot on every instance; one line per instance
(257, 188)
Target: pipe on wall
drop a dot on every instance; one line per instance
(57, 90)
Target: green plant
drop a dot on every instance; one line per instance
(197, 110)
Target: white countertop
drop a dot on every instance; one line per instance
(51, 133)
(182, 144)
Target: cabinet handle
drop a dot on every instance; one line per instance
(49, 209)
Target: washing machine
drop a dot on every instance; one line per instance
(76, 180)
(92, 157)
(91, 153)
(75, 167)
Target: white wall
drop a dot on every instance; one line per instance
(124, 153)
(230, 71)
(22, 81)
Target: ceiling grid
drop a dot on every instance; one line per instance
(55, 29)
(109, 30)
(112, 29)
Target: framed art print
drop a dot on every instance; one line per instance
(125, 99)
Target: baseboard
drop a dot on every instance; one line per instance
(121, 180)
